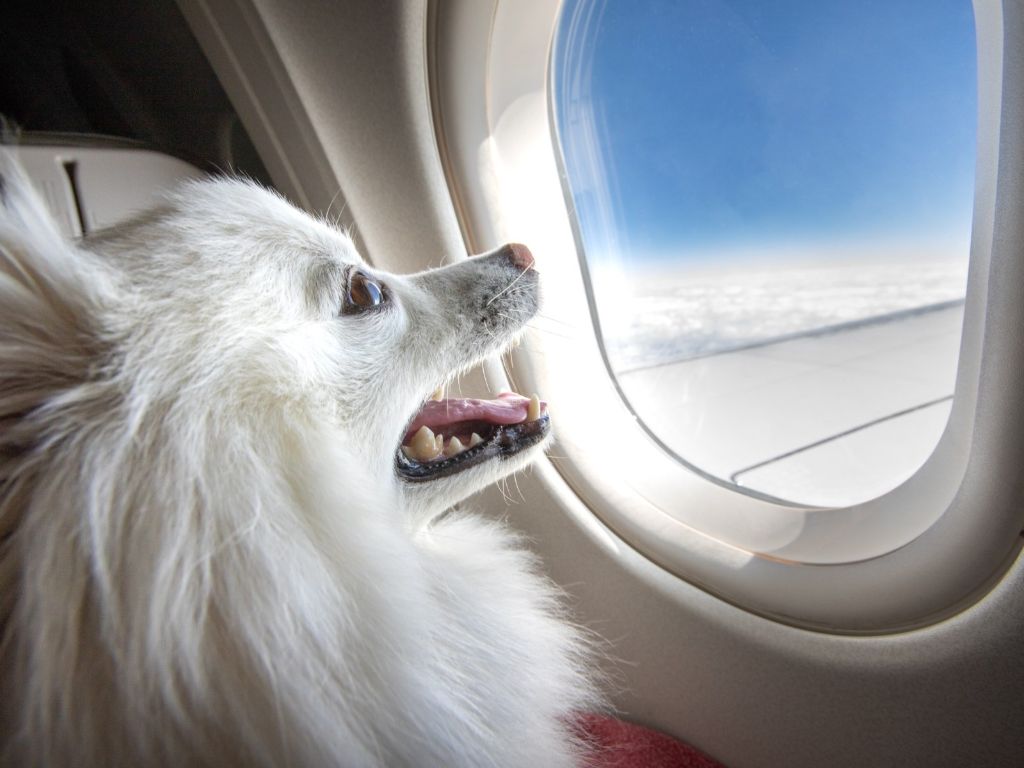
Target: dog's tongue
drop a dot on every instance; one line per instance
(507, 408)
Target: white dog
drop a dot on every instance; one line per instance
(220, 487)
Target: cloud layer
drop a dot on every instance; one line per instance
(666, 315)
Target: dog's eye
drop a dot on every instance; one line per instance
(363, 292)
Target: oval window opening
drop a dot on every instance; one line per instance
(774, 203)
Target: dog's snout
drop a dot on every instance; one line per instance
(519, 255)
(497, 291)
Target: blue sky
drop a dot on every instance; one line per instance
(722, 123)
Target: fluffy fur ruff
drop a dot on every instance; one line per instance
(205, 555)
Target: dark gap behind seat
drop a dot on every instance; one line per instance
(124, 70)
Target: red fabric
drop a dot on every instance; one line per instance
(619, 744)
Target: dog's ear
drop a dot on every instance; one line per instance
(50, 319)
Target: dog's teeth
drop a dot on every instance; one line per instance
(533, 410)
(424, 444)
(409, 452)
(475, 439)
(454, 447)
(438, 444)
(438, 395)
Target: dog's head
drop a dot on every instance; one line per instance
(229, 304)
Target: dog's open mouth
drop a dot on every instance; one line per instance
(450, 435)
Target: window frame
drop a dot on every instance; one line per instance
(909, 558)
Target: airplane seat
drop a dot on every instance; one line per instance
(90, 183)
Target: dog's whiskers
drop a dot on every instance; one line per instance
(549, 332)
(336, 219)
(515, 479)
(502, 486)
(551, 319)
(507, 288)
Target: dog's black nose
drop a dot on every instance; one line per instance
(519, 255)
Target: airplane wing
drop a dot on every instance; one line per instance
(824, 418)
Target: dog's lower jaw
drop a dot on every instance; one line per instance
(425, 500)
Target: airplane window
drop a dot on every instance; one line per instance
(774, 202)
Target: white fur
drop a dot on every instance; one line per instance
(206, 557)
